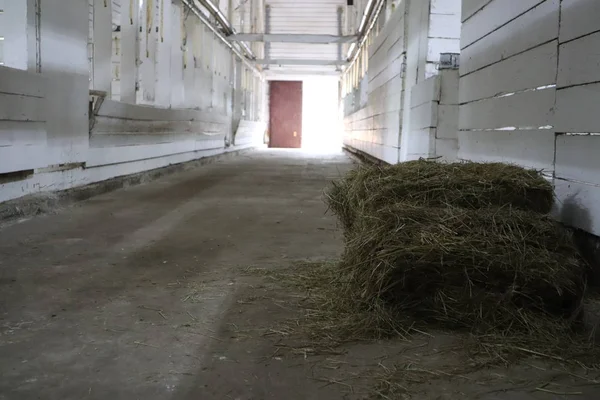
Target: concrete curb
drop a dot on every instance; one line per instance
(46, 202)
(361, 157)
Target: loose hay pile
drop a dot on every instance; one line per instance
(463, 245)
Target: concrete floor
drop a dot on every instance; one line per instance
(144, 293)
(123, 296)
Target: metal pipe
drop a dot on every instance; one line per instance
(363, 38)
(222, 19)
(210, 26)
(365, 17)
(214, 10)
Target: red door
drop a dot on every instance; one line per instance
(285, 125)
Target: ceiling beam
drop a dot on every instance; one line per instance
(292, 38)
(293, 74)
(335, 63)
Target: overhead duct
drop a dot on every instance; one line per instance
(225, 24)
(372, 11)
(194, 8)
(219, 16)
(366, 16)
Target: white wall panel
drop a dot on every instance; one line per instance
(494, 15)
(531, 29)
(504, 52)
(424, 115)
(578, 18)
(522, 110)
(375, 129)
(446, 7)
(447, 121)
(425, 92)
(22, 108)
(577, 204)
(532, 69)
(470, 7)
(445, 26)
(580, 61)
(577, 109)
(531, 148)
(446, 149)
(577, 158)
(436, 46)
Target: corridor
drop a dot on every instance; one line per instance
(126, 295)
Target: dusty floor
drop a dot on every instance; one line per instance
(143, 293)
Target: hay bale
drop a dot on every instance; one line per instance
(486, 269)
(428, 183)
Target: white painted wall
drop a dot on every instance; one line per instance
(434, 117)
(183, 83)
(529, 94)
(404, 53)
(373, 109)
(577, 161)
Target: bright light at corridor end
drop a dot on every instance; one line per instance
(321, 119)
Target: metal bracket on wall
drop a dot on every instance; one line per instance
(449, 60)
(96, 99)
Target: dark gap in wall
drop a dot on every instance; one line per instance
(589, 248)
(15, 176)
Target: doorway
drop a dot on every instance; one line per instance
(285, 114)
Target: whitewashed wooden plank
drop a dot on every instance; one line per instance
(531, 148)
(15, 107)
(578, 18)
(16, 81)
(21, 133)
(22, 157)
(447, 122)
(396, 35)
(424, 116)
(378, 136)
(538, 26)
(449, 79)
(578, 205)
(436, 46)
(577, 109)
(122, 154)
(425, 92)
(447, 149)
(522, 110)
(130, 139)
(446, 7)
(393, 102)
(444, 26)
(111, 108)
(470, 7)
(392, 137)
(579, 61)
(117, 125)
(532, 69)
(577, 158)
(492, 17)
(421, 143)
